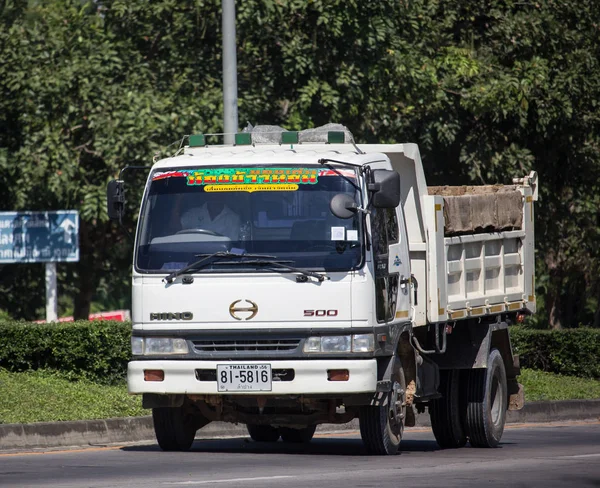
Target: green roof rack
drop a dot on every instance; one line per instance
(289, 137)
(243, 139)
(336, 137)
(197, 140)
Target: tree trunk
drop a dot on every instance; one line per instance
(83, 300)
(554, 317)
(553, 299)
(597, 314)
(554, 303)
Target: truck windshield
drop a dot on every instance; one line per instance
(280, 211)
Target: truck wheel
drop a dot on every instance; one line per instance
(297, 436)
(446, 414)
(175, 430)
(487, 402)
(263, 433)
(381, 426)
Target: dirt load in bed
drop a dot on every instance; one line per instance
(480, 209)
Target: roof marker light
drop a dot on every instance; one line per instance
(289, 137)
(335, 137)
(243, 139)
(197, 140)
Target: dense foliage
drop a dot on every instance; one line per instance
(97, 351)
(572, 352)
(489, 91)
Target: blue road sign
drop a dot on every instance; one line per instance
(39, 237)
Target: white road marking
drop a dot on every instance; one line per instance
(230, 480)
(581, 456)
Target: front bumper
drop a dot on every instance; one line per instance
(310, 377)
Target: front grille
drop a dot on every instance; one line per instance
(246, 345)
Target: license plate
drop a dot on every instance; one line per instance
(244, 377)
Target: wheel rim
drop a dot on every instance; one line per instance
(396, 411)
(496, 400)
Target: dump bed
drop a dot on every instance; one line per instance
(471, 247)
(480, 252)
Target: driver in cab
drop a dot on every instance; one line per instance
(214, 215)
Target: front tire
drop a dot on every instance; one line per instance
(175, 429)
(382, 426)
(263, 433)
(297, 436)
(487, 402)
(447, 413)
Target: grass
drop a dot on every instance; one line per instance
(42, 396)
(540, 385)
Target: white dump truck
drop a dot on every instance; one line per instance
(298, 278)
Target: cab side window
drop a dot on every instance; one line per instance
(384, 228)
(391, 225)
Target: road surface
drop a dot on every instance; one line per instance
(549, 455)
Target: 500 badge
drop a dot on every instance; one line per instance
(321, 313)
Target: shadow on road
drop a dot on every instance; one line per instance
(319, 446)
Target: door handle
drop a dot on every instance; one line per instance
(410, 281)
(415, 285)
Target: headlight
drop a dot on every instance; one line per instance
(363, 343)
(345, 343)
(137, 346)
(157, 345)
(336, 344)
(312, 344)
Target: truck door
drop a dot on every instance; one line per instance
(392, 266)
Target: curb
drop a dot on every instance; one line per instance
(89, 433)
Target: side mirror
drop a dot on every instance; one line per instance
(343, 206)
(385, 188)
(115, 199)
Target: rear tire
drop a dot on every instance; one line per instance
(382, 426)
(487, 402)
(447, 414)
(297, 436)
(175, 429)
(263, 433)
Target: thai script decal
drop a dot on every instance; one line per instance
(251, 179)
(252, 176)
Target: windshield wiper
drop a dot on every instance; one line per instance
(278, 264)
(208, 258)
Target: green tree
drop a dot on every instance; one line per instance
(489, 90)
(80, 100)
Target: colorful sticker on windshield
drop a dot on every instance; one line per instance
(250, 188)
(169, 174)
(251, 179)
(337, 172)
(252, 176)
(245, 179)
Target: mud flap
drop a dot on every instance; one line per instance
(516, 399)
(428, 380)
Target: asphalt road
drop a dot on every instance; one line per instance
(549, 455)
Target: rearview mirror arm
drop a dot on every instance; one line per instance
(124, 229)
(363, 168)
(126, 168)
